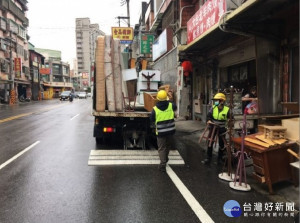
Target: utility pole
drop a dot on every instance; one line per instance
(123, 2)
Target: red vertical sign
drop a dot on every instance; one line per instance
(18, 67)
(207, 16)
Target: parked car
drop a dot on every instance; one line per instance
(65, 95)
(82, 95)
(76, 94)
(89, 94)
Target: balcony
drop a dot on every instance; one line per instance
(11, 7)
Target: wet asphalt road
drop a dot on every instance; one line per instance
(51, 182)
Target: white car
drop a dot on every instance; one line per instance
(82, 95)
(89, 94)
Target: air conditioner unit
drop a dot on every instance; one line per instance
(233, 4)
(3, 46)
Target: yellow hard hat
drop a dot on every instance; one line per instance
(220, 96)
(162, 95)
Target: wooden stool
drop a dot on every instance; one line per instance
(212, 135)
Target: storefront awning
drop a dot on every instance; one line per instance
(22, 82)
(251, 18)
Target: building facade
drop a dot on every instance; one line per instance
(86, 35)
(239, 43)
(15, 78)
(56, 76)
(36, 63)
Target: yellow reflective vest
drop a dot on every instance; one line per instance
(164, 121)
(220, 117)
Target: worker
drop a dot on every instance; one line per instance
(163, 117)
(218, 114)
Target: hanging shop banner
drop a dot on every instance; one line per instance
(146, 44)
(18, 67)
(124, 34)
(207, 16)
(45, 71)
(85, 75)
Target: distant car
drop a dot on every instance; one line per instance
(76, 94)
(82, 95)
(65, 95)
(89, 94)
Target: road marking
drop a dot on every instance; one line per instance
(15, 117)
(30, 113)
(190, 199)
(130, 157)
(74, 117)
(18, 155)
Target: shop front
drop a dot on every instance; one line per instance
(249, 52)
(54, 89)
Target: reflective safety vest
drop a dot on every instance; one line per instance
(220, 117)
(164, 121)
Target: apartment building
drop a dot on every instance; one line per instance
(15, 78)
(86, 35)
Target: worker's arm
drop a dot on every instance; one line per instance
(152, 116)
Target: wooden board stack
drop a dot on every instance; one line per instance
(100, 76)
(117, 74)
(108, 75)
(110, 93)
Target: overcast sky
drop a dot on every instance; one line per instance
(52, 22)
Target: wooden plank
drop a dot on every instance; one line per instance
(117, 75)
(255, 141)
(109, 83)
(268, 141)
(279, 141)
(100, 76)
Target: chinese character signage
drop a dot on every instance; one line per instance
(18, 67)
(45, 71)
(124, 34)
(146, 44)
(207, 16)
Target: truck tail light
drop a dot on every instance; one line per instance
(109, 129)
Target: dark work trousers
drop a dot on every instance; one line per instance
(221, 145)
(164, 145)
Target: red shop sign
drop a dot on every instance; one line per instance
(207, 16)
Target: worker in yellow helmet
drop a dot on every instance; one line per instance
(163, 117)
(218, 114)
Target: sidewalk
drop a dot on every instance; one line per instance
(284, 191)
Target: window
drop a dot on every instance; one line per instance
(3, 45)
(13, 27)
(20, 50)
(3, 24)
(22, 32)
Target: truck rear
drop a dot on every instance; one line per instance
(117, 116)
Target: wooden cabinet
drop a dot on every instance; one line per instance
(271, 165)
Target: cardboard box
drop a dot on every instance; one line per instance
(197, 105)
(149, 101)
(292, 126)
(129, 74)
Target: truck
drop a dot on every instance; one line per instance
(117, 115)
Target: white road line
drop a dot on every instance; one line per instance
(74, 117)
(18, 155)
(190, 199)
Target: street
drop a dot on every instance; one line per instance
(45, 176)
